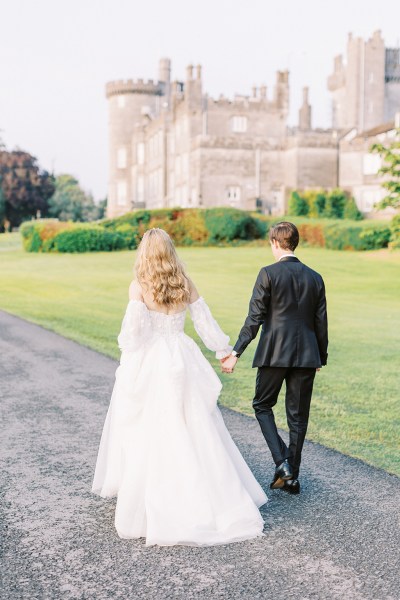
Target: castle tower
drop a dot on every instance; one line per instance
(128, 101)
(358, 87)
(392, 79)
(305, 113)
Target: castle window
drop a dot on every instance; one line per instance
(239, 124)
(371, 107)
(140, 153)
(233, 195)
(140, 189)
(121, 101)
(121, 158)
(122, 193)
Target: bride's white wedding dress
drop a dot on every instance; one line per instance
(165, 451)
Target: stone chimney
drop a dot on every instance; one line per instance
(164, 75)
(305, 113)
(189, 73)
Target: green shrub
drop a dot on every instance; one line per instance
(130, 234)
(189, 228)
(375, 236)
(346, 236)
(132, 218)
(298, 206)
(88, 239)
(351, 211)
(37, 233)
(334, 204)
(228, 224)
(395, 233)
(316, 200)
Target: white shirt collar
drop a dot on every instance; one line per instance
(285, 255)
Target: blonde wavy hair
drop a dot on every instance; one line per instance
(159, 269)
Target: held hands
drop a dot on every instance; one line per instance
(228, 363)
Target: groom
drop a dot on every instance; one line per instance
(289, 302)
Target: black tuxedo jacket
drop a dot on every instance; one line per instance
(289, 302)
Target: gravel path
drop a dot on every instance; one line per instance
(338, 539)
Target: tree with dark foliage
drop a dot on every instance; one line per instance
(25, 188)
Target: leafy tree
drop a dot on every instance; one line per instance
(391, 168)
(102, 208)
(25, 187)
(71, 203)
(298, 206)
(2, 209)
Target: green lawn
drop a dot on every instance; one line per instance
(355, 406)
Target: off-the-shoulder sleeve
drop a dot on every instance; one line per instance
(134, 328)
(208, 329)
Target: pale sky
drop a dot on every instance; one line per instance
(57, 55)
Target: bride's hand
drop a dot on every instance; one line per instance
(228, 364)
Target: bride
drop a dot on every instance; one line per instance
(165, 451)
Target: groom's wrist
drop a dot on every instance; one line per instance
(235, 354)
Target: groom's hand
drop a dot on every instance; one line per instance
(228, 364)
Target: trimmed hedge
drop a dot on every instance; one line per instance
(228, 224)
(395, 233)
(343, 234)
(202, 227)
(88, 239)
(50, 235)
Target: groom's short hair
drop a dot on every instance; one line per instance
(286, 234)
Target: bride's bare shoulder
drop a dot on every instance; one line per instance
(194, 294)
(135, 291)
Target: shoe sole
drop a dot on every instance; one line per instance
(289, 491)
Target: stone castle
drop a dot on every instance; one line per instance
(170, 144)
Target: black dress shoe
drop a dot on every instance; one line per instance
(292, 486)
(282, 474)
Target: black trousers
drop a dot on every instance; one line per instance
(299, 386)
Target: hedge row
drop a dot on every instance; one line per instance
(185, 226)
(202, 227)
(343, 234)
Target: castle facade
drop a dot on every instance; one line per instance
(171, 144)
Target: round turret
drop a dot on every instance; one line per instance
(127, 100)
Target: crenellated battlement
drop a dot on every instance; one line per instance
(135, 86)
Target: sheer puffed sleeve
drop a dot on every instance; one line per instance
(134, 328)
(208, 329)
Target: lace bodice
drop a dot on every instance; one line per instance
(141, 323)
(167, 324)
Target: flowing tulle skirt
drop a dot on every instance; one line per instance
(167, 455)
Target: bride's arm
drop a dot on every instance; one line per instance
(133, 327)
(207, 327)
